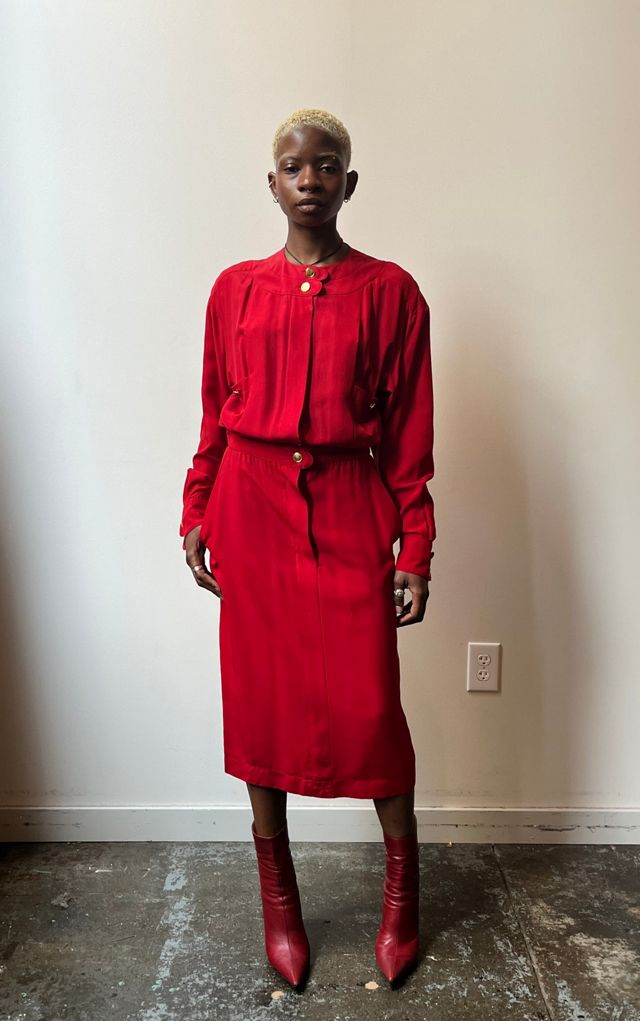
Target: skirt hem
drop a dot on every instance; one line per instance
(334, 788)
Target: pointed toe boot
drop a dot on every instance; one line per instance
(396, 944)
(286, 941)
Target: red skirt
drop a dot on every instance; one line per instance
(301, 543)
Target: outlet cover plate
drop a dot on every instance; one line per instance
(483, 666)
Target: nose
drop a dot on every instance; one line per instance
(307, 178)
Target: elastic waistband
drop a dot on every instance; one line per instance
(299, 455)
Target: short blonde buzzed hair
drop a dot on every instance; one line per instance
(311, 115)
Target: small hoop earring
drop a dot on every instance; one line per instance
(275, 198)
(347, 197)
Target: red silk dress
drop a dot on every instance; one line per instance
(315, 450)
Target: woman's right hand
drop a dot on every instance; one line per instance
(195, 561)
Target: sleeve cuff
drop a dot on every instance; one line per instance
(185, 527)
(415, 555)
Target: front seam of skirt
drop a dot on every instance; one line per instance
(324, 666)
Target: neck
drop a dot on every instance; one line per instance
(310, 245)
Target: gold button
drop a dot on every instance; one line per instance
(297, 456)
(305, 286)
(310, 272)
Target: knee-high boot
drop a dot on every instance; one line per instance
(397, 939)
(286, 941)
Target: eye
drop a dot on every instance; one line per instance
(325, 166)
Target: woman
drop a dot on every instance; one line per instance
(314, 358)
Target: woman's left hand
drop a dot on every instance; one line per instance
(413, 612)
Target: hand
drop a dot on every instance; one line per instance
(413, 612)
(195, 559)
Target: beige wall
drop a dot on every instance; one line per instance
(498, 151)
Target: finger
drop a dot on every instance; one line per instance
(398, 596)
(205, 578)
(414, 611)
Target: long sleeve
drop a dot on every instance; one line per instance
(201, 475)
(405, 453)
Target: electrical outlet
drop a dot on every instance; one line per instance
(483, 666)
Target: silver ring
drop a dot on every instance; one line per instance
(398, 592)
(198, 567)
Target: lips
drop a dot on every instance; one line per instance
(310, 202)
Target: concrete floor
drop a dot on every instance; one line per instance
(173, 932)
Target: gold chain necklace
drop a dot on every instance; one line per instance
(317, 260)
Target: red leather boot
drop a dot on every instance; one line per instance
(285, 938)
(397, 939)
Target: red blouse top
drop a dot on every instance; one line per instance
(322, 354)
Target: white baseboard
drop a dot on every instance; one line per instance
(331, 824)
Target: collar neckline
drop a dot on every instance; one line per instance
(276, 274)
(331, 267)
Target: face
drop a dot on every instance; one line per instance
(311, 169)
